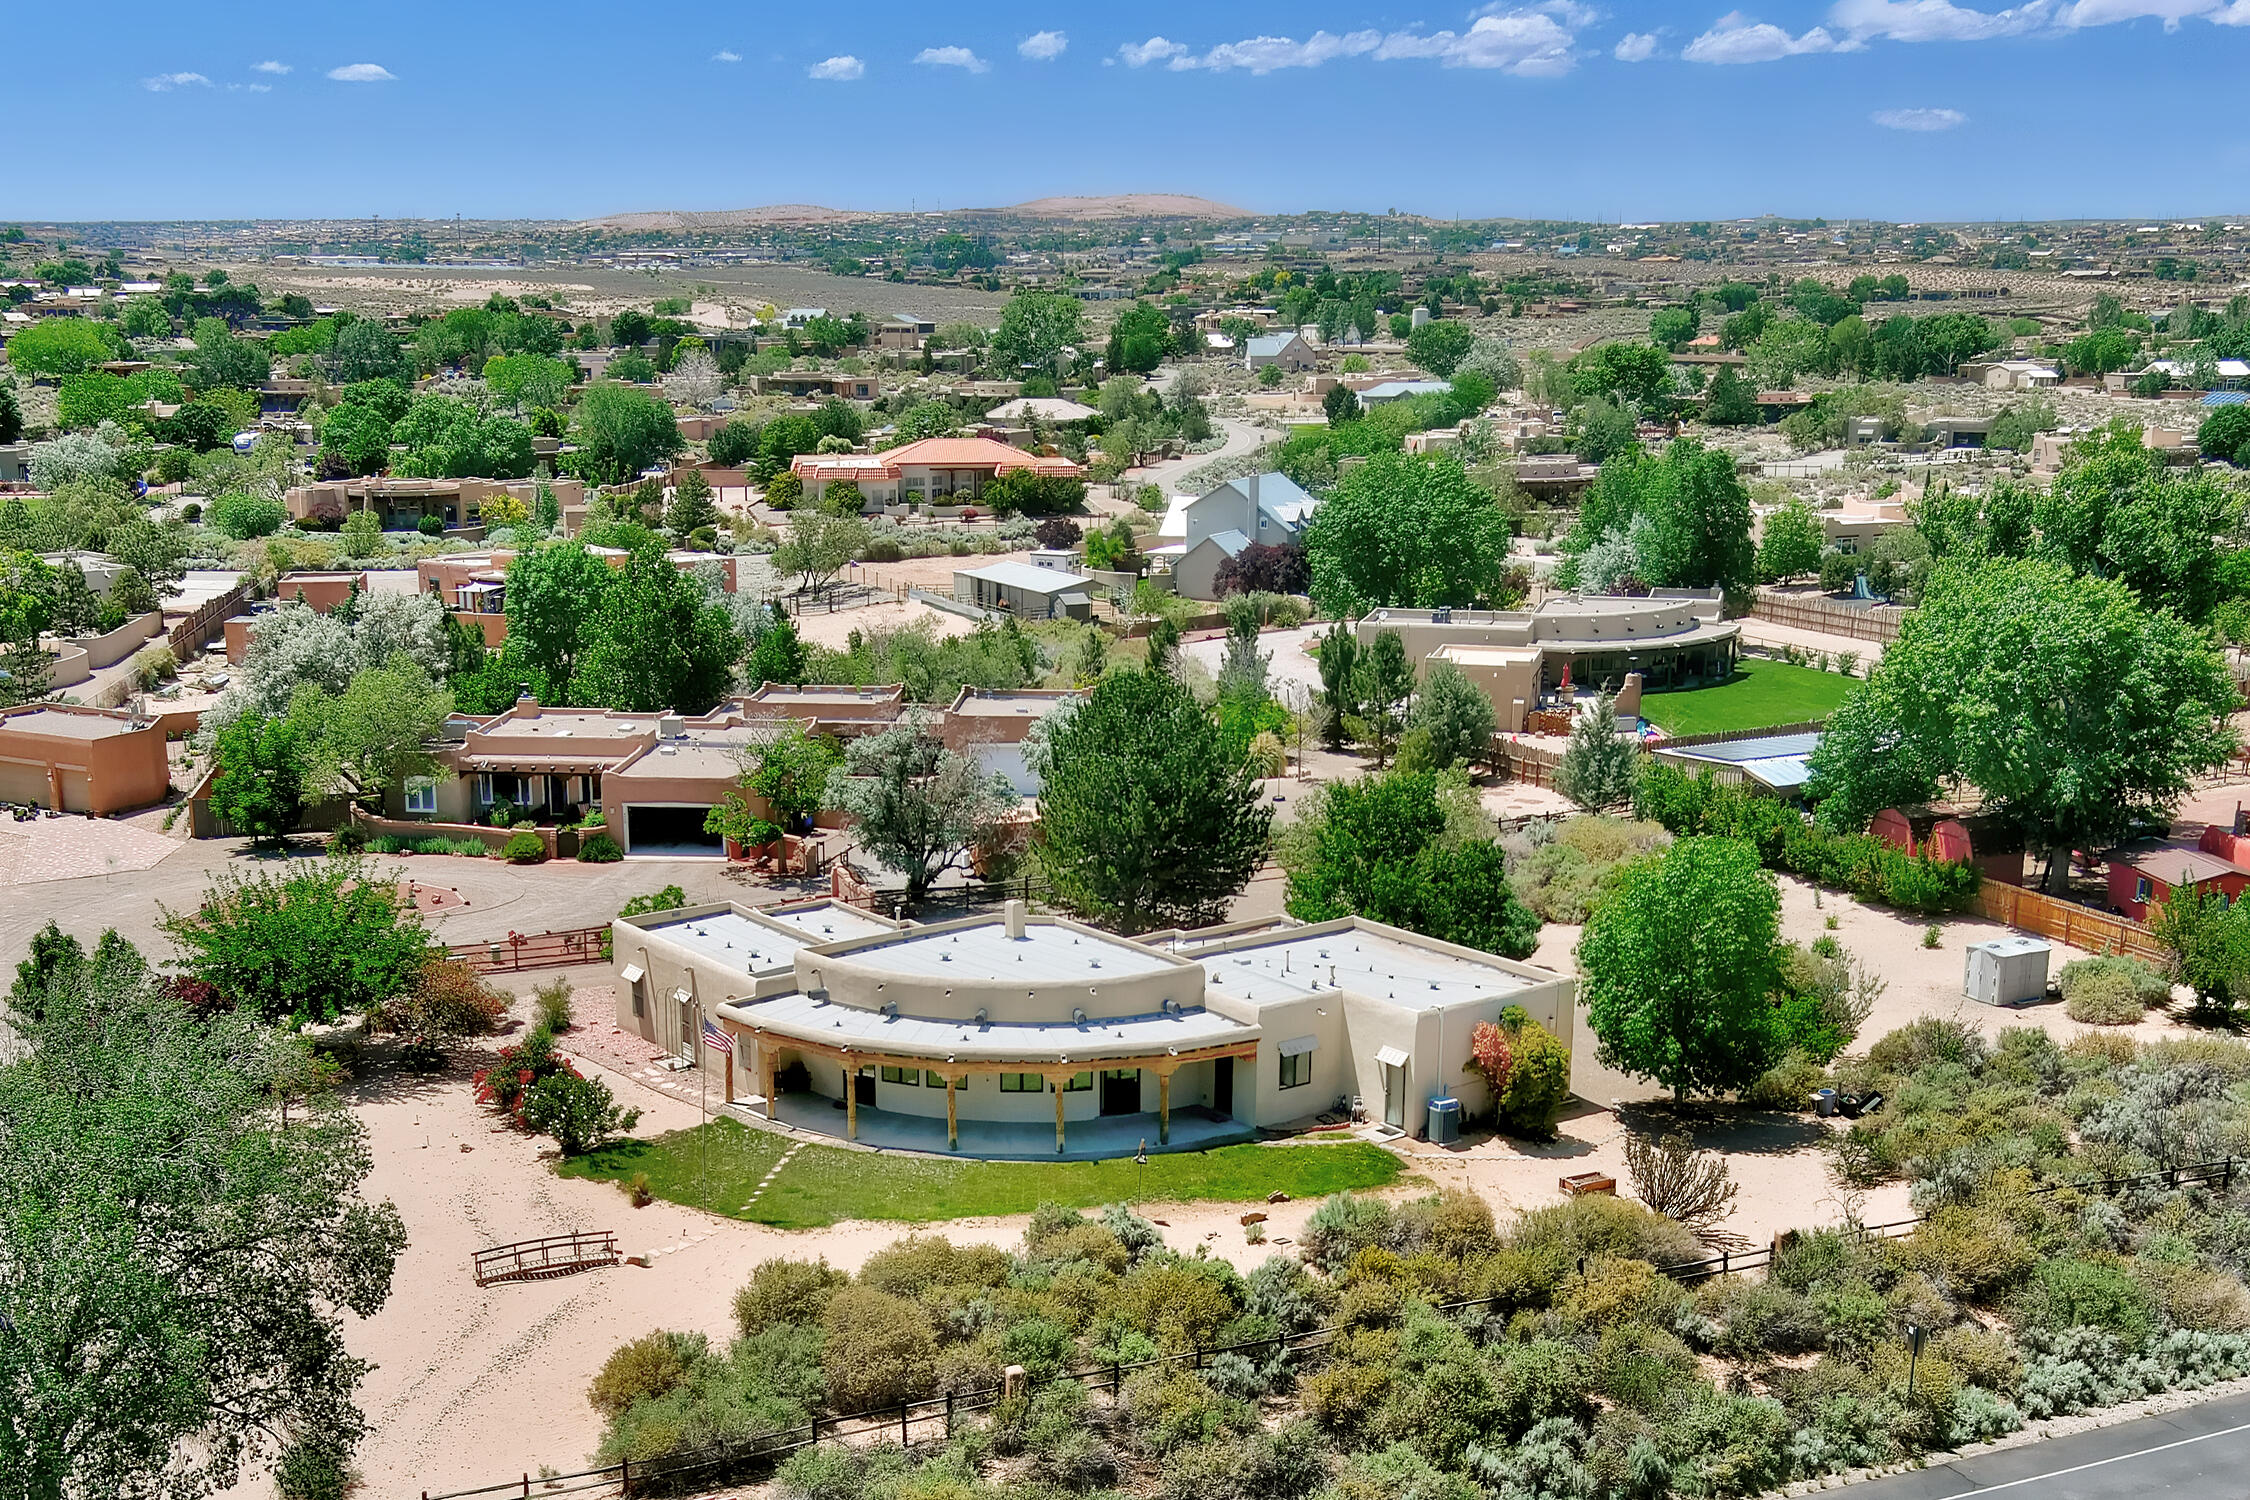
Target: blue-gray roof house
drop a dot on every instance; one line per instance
(1288, 350)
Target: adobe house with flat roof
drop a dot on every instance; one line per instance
(1010, 1035)
(82, 760)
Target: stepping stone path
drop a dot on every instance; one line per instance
(767, 1180)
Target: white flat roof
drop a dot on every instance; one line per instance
(820, 1020)
(1364, 963)
(762, 943)
(1045, 952)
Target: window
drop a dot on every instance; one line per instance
(1022, 1083)
(902, 1075)
(1296, 1070)
(640, 997)
(421, 794)
(484, 788)
(2140, 889)
(1079, 1083)
(933, 1079)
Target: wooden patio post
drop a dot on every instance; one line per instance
(1058, 1084)
(851, 1100)
(1164, 1106)
(765, 1073)
(952, 1120)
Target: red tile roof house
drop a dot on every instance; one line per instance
(950, 471)
(2145, 873)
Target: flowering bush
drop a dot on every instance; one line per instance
(507, 1084)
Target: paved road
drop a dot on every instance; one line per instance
(2201, 1452)
(1241, 437)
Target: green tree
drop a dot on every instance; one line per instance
(2078, 713)
(522, 380)
(621, 431)
(557, 597)
(1455, 715)
(1599, 765)
(924, 419)
(60, 346)
(692, 508)
(1731, 402)
(1636, 374)
(1338, 657)
(782, 785)
(1147, 819)
(365, 350)
(1382, 681)
(260, 777)
(818, 546)
(1341, 405)
(373, 735)
(178, 1257)
(920, 806)
(660, 641)
(1792, 543)
(1672, 327)
(2209, 943)
(1439, 346)
(1411, 530)
(220, 359)
(2115, 511)
(2225, 434)
(307, 943)
(1680, 965)
(1139, 339)
(1389, 848)
(776, 654)
(1035, 327)
(1698, 514)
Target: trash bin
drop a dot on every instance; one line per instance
(1445, 1121)
(1824, 1102)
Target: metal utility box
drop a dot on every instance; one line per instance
(2007, 971)
(1445, 1121)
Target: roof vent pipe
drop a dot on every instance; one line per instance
(1011, 914)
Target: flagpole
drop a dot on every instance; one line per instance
(702, 1105)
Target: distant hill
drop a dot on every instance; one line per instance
(1111, 206)
(1125, 206)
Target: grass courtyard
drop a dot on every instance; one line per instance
(1761, 693)
(719, 1165)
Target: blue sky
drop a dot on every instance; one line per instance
(1901, 109)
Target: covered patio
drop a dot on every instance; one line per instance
(757, 1052)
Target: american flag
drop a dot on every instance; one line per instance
(717, 1037)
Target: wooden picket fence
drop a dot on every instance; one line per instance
(2068, 922)
(1880, 625)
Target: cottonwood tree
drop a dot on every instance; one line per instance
(557, 596)
(660, 642)
(177, 1250)
(1146, 819)
(787, 777)
(1680, 960)
(1792, 542)
(1410, 530)
(920, 806)
(2078, 713)
(1412, 849)
(258, 782)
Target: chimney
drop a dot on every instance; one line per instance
(1253, 494)
(1011, 916)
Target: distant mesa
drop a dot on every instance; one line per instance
(1113, 206)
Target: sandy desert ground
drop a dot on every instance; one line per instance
(473, 1386)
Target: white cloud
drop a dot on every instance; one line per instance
(1042, 46)
(726, 55)
(1533, 42)
(837, 69)
(2170, 12)
(270, 67)
(363, 73)
(1636, 46)
(1738, 39)
(1529, 43)
(1155, 49)
(164, 83)
(1934, 20)
(952, 57)
(1919, 119)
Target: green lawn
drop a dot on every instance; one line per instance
(1760, 693)
(823, 1184)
